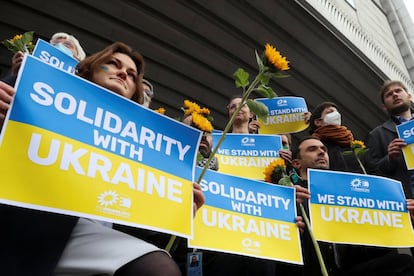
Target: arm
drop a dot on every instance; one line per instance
(377, 158)
(286, 155)
(410, 207)
(16, 62)
(198, 196)
(301, 194)
(300, 224)
(6, 95)
(254, 126)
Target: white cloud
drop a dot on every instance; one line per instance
(410, 7)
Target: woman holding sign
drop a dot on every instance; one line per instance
(43, 243)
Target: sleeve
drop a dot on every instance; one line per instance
(376, 160)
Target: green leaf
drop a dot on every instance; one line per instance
(266, 91)
(19, 45)
(360, 151)
(348, 153)
(258, 108)
(259, 61)
(264, 78)
(27, 37)
(241, 78)
(285, 181)
(199, 156)
(9, 46)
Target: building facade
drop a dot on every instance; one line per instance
(339, 50)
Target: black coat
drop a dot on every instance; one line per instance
(32, 241)
(338, 161)
(376, 161)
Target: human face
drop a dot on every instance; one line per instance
(206, 144)
(244, 113)
(396, 100)
(321, 122)
(312, 155)
(285, 141)
(118, 74)
(68, 44)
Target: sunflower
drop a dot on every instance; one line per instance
(275, 171)
(20, 42)
(160, 110)
(275, 58)
(357, 144)
(16, 37)
(199, 116)
(201, 122)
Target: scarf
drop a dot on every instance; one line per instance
(213, 163)
(337, 134)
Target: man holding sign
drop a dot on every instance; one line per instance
(385, 148)
(311, 153)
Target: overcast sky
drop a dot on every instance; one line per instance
(410, 7)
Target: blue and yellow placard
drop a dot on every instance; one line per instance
(247, 217)
(53, 56)
(286, 115)
(72, 147)
(406, 132)
(359, 209)
(247, 155)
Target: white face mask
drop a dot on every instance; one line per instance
(333, 118)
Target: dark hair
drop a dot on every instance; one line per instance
(231, 99)
(317, 113)
(87, 67)
(289, 138)
(387, 85)
(296, 149)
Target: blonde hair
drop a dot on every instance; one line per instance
(81, 53)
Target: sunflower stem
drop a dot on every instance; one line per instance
(360, 163)
(315, 243)
(245, 96)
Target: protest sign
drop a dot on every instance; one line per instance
(53, 56)
(286, 115)
(247, 155)
(406, 131)
(247, 217)
(350, 207)
(72, 147)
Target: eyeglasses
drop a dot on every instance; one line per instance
(149, 93)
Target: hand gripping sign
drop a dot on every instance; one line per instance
(406, 132)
